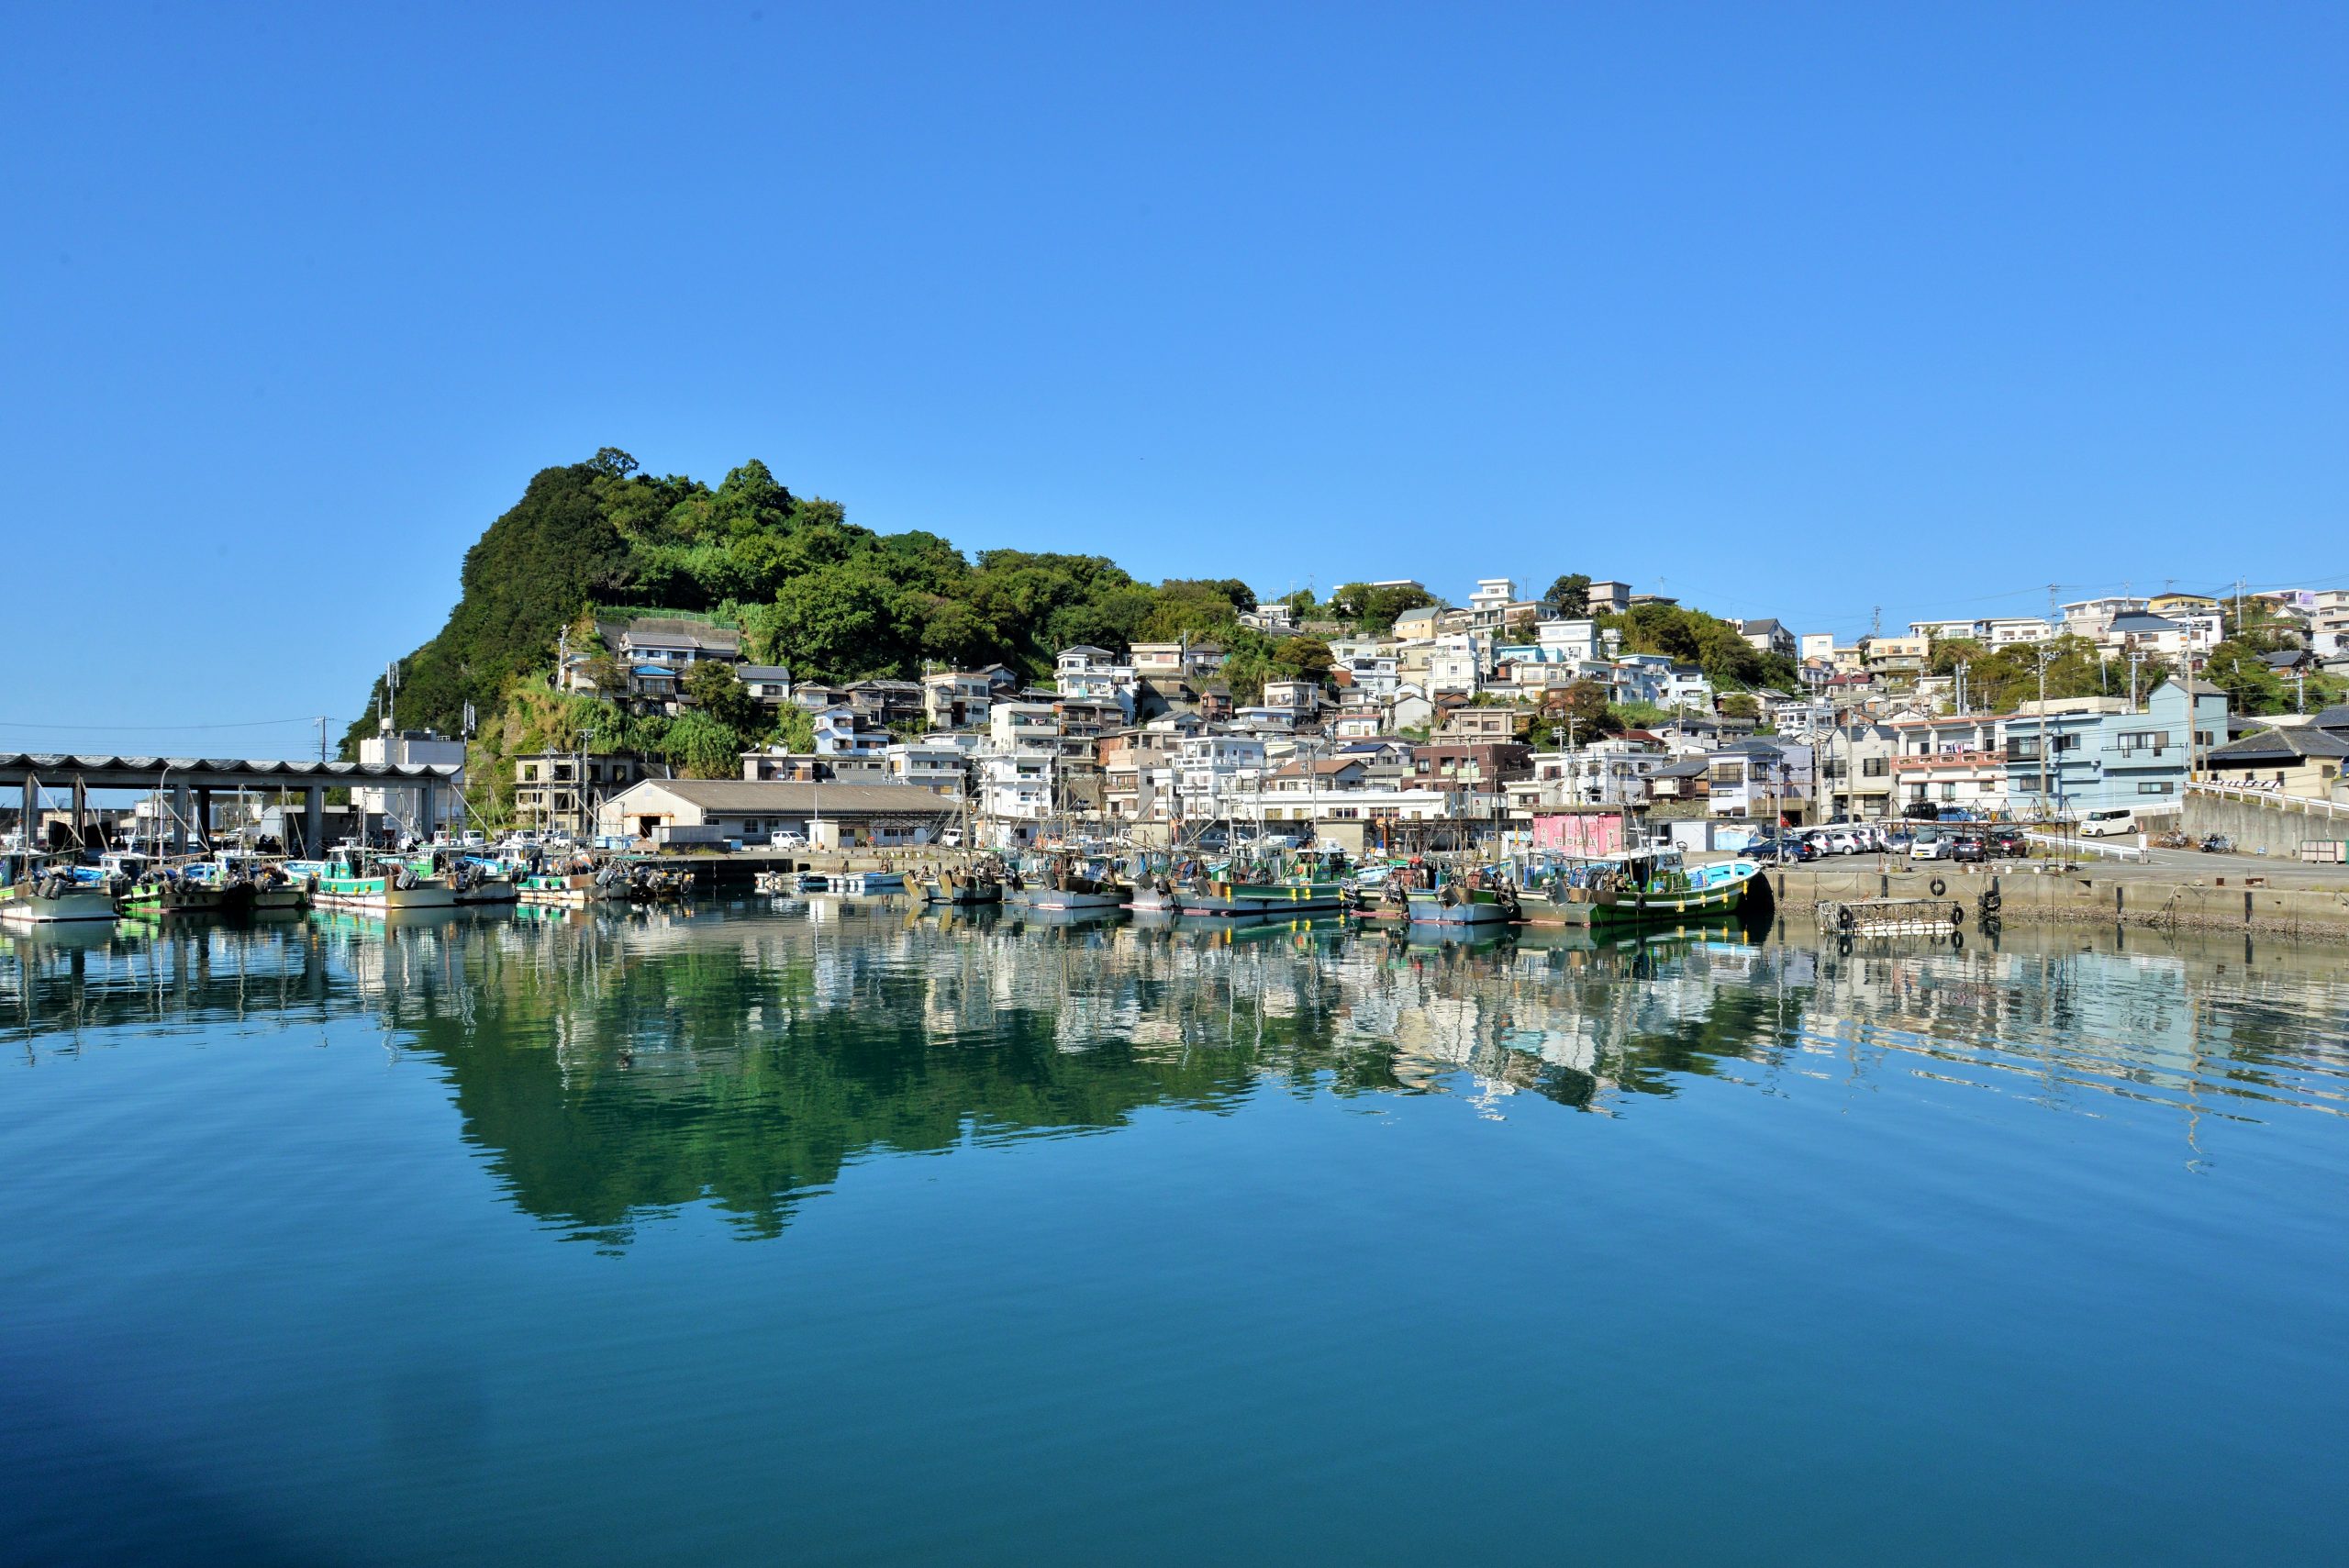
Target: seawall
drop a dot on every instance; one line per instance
(2234, 896)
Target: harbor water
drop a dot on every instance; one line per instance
(808, 1231)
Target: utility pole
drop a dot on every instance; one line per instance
(322, 737)
(2136, 657)
(2045, 654)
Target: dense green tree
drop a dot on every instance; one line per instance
(1374, 608)
(1302, 657)
(712, 686)
(1569, 596)
(2236, 668)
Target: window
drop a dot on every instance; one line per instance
(2155, 788)
(2068, 742)
(2023, 749)
(1875, 767)
(1949, 792)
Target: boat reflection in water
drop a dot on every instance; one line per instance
(612, 1062)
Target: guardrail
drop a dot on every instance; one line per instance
(2305, 805)
(2092, 846)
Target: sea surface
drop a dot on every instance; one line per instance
(807, 1232)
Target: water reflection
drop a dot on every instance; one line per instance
(613, 1065)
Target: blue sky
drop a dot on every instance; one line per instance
(1795, 310)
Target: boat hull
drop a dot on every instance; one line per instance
(26, 906)
(381, 894)
(1052, 898)
(1641, 908)
(1263, 898)
(1472, 909)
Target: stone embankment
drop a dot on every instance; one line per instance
(2234, 896)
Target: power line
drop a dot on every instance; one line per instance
(159, 728)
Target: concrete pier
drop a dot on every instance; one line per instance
(2233, 895)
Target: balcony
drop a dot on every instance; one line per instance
(1950, 760)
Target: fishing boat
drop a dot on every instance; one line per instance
(1310, 885)
(1646, 884)
(57, 895)
(356, 880)
(1300, 896)
(1465, 901)
(974, 884)
(1063, 886)
(199, 887)
(858, 883)
(571, 888)
(486, 879)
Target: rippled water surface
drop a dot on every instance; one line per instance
(802, 1233)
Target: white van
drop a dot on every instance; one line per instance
(2108, 824)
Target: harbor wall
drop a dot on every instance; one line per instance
(2272, 828)
(2238, 899)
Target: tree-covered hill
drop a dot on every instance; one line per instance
(830, 599)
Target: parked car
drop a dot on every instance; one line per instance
(1970, 849)
(2108, 824)
(786, 838)
(2008, 842)
(1844, 841)
(1930, 847)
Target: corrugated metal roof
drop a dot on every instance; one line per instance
(779, 797)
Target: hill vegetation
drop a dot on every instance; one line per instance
(831, 600)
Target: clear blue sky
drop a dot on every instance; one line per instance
(1797, 310)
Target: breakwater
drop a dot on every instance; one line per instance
(2232, 896)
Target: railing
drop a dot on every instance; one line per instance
(2305, 805)
(1949, 760)
(2090, 847)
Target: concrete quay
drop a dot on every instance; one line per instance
(2227, 894)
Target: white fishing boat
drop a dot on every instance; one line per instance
(56, 895)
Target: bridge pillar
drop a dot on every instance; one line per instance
(314, 822)
(182, 810)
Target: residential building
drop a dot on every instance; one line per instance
(2089, 617)
(858, 814)
(1896, 655)
(2093, 753)
(2299, 760)
(1456, 664)
(1855, 767)
(1212, 771)
(1767, 635)
(1759, 778)
(957, 699)
(1611, 598)
(929, 764)
(558, 792)
(1950, 761)
(841, 731)
(771, 683)
(1419, 624)
(775, 765)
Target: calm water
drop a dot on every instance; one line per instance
(796, 1233)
